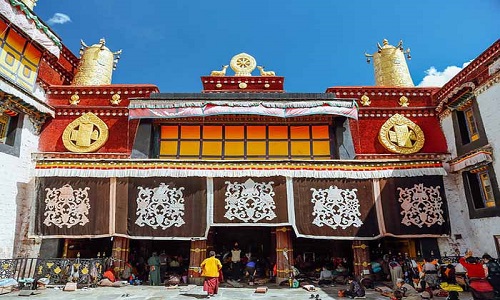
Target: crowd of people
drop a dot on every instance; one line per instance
(411, 279)
(422, 280)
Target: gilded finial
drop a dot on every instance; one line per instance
(96, 65)
(390, 65)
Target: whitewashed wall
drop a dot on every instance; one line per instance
(477, 234)
(489, 104)
(16, 190)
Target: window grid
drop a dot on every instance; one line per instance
(486, 189)
(267, 148)
(471, 125)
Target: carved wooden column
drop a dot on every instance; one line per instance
(284, 253)
(197, 254)
(119, 252)
(361, 256)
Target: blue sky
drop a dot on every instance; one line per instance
(315, 44)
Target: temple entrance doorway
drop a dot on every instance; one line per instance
(254, 240)
(313, 254)
(174, 256)
(256, 244)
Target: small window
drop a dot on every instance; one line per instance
(4, 128)
(467, 125)
(481, 189)
(471, 125)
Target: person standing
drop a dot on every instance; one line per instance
(210, 268)
(163, 265)
(396, 271)
(493, 275)
(236, 261)
(154, 269)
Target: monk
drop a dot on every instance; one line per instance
(210, 268)
(154, 269)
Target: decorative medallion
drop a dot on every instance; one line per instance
(242, 85)
(421, 205)
(87, 133)
(365, 100)
(115, 99)
(74, 99)
(161, 206)
(243, 64)
(66, 207)
(335, 207)
(250, 201)
(400, 135)
(404, 102)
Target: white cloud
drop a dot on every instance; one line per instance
(59, 18)
(437, 78)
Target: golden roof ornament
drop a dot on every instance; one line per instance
(243, 64)
(390, 65)
(30, 3)
(219, 73)
(96, 65)
(400, 135)
(265, 73)
(85, 134)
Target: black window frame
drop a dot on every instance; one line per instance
(473, 193)
(461, 131)
(12, 145)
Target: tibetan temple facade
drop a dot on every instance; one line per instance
(354, 171)
(284, 169)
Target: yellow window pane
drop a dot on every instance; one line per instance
(212, 148)
(321, 148)
(190, 132)
(234, 132)
(32, 54)
(278, 148)
(212, 132)
(256, 132)
(168, 148)
(320, 132)
(256, 148)
(190, 148)
(301, 148)
(278, 132)
(299, 132)
(169, 132)
(16, 41)
(235, 149)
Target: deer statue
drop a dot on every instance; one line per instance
(219, 73)
(265, 73)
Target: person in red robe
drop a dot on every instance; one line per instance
(481, 289)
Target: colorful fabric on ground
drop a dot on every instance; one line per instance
(451, 287)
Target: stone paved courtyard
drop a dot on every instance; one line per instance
(150, 292)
